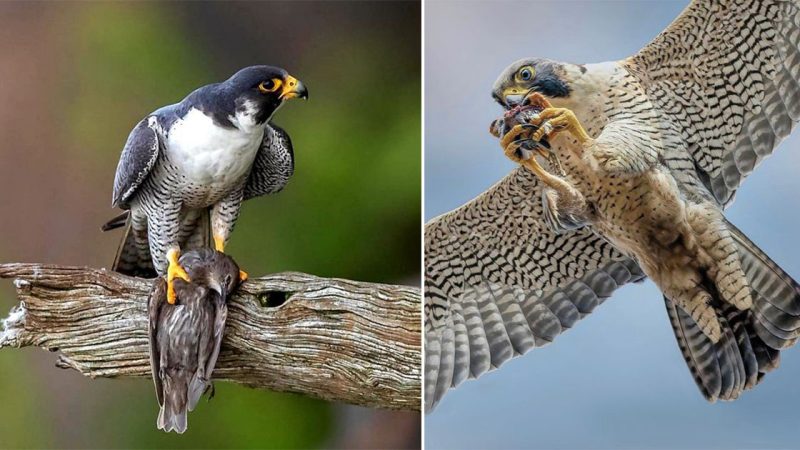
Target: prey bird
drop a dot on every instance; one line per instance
(649, 151)
(185, 337)
(187, 167)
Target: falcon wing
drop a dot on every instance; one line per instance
(273, 166)
(727, 74)
(137, 160)
(158, 295)
(498, 282)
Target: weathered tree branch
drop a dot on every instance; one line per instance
(333, 339)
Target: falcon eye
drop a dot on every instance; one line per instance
(525, 74)
(269, 85)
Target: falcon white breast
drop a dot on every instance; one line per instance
(210, 155)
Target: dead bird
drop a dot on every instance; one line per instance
(524, 114)
(185, 337)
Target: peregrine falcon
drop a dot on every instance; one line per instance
(639, 158)
(185, 338)
(187, 167)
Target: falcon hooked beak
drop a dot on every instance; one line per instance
(529, 75)
(293, 88)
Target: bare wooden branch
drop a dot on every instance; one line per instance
(338, 340)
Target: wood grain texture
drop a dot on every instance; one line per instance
(332, 339)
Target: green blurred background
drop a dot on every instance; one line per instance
(76, 77)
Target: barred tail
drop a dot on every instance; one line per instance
(751, 339)
(776, 296)
(129, 260)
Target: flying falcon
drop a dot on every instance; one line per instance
(640, 158)
(187, 167)
(185, 338)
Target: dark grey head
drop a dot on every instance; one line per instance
(248, 98)
(211, 270)
(549, 78)
(263, 89)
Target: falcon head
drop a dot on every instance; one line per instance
(258, 91)
(212, 270)
(550, 78)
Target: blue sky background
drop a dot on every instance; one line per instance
(617, 380)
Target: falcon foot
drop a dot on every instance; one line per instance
(560, 185)
(517, 129)
(518, 146)
(519, 150)
(174, 270)
(552, 121)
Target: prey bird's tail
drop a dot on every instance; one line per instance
(173, 413)
(751, 340)
(131, 259)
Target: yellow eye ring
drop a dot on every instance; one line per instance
(526, 73)
(270, 85)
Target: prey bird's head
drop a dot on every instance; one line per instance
(212, 270)
(549, 78)
(260, 90)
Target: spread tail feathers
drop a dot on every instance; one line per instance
(776, 306)
(751, 340)
(172, 416)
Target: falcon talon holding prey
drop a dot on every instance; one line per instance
(649, 151)
(187, 167)
(185, 338)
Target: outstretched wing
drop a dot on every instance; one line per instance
(498, 282)
(727, 74)
(158, 296)
(274, 164)
(137, 160)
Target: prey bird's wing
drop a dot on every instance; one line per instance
(726, 75)
(209, 355)
(137, 160)
(220, 316)
(273, 166)
(158, 296)
(498, 282)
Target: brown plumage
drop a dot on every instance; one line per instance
(185, 337)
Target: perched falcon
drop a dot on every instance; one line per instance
(649, 152)
(185, 338)
(187, 167)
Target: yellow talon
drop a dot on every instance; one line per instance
(552, 121)
(174, 270)
(219, 243)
